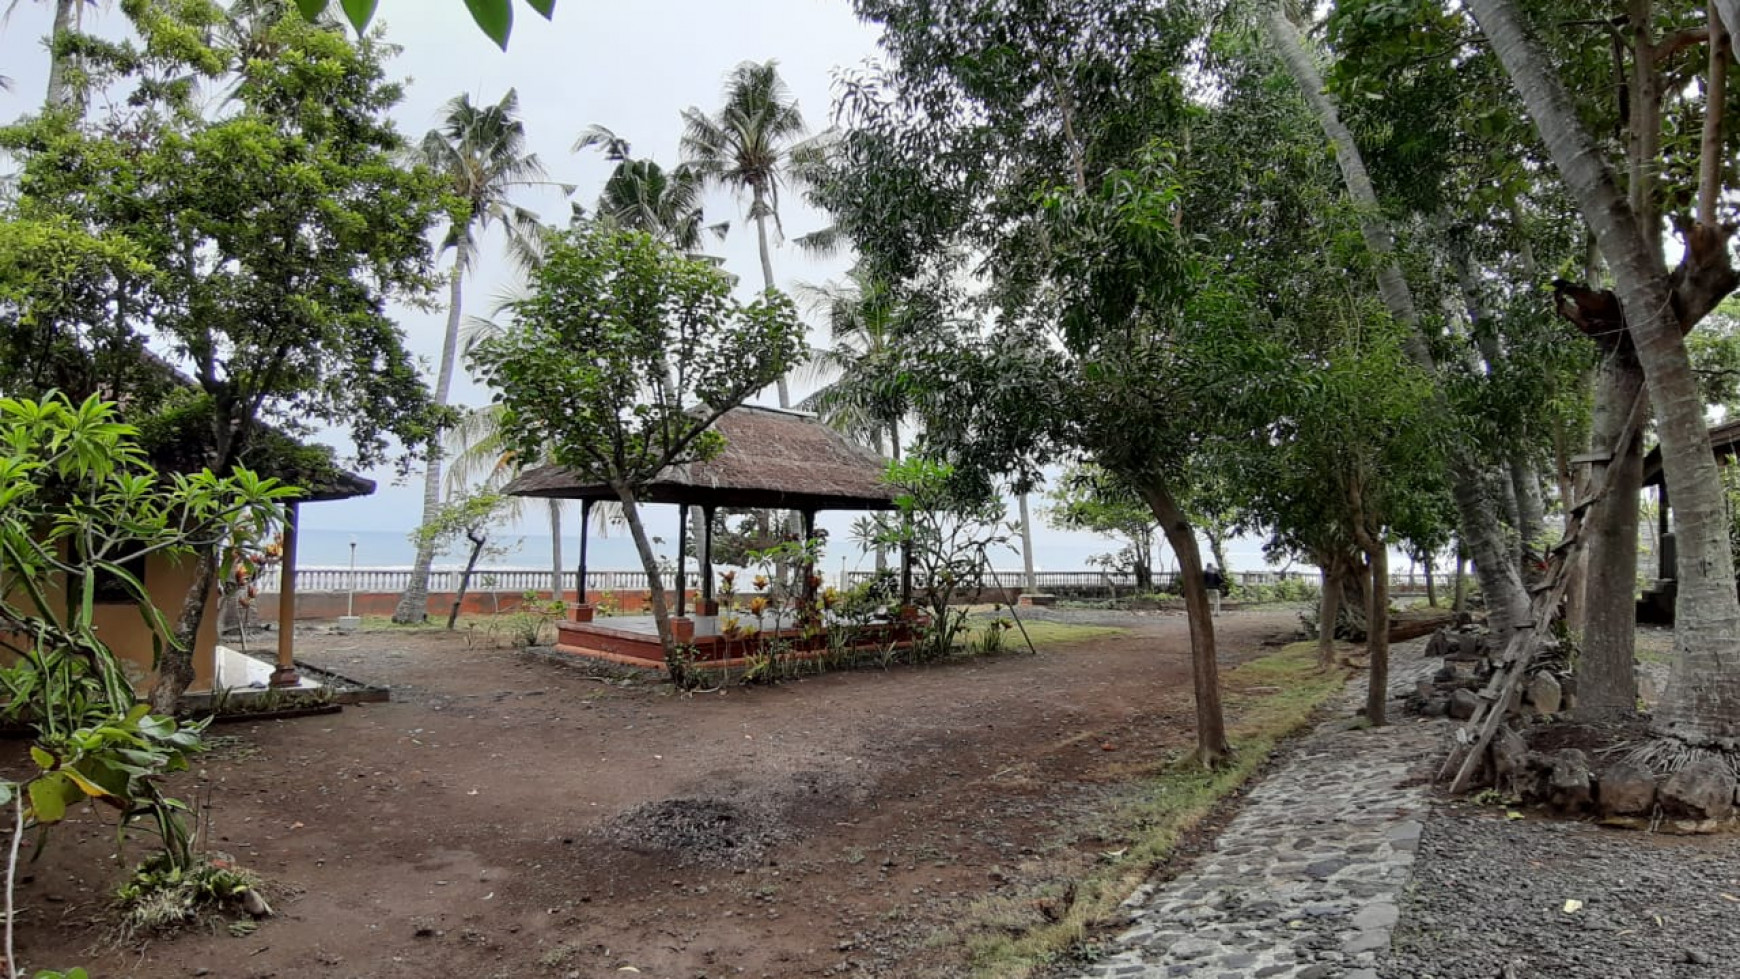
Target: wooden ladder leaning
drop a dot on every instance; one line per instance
(1525, 641)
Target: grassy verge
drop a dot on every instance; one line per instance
(1046, 634)
(1009, 936)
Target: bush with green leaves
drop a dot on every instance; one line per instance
(79, 503)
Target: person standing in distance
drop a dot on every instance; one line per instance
(1213, 582)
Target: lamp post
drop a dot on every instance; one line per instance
(349, 622)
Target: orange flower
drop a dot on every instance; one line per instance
(761, 582)
(757, 605)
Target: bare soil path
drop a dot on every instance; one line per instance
(507, 816)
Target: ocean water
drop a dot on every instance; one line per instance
(1053, 551)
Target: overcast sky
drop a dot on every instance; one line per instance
(629, 66)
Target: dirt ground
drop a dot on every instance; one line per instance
(506, 815)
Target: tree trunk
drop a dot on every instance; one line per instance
(175, 670)
(477, 542)
(656, 592)
(1377, 632)
(556, 550)
(1606, 679)
(59, 89)
(1506, 601)
(1328, 612)
(1459, 594)
(1531, 508)
(1142, 561)
(1027, 547)
(1431, 583)
(1212, 747)
(1702, 704)
(759, 208)
(414, 603)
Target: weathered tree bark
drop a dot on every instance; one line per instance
(1459, 595)
(1431, 584)
(1329, 610)
(1531, 507)
(1506, 601)
(175, 670)
(1377, 633)
(477, 542)
(1212, 747)
(1703, 700)
(649, 562)
(1606, 680)
(414, 603)
(60, 92)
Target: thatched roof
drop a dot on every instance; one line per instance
(1724, 439)
(773, 459)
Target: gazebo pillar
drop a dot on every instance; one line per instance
(682, 559)
(285, 675)
(583, 608)
(809, 524)
(708, 605)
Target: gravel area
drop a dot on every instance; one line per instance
(1489, 897)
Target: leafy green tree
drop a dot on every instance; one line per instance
(748, 146)
(494, 17)
(620, 360)
(481, 153)
(275, 236)
(79, 502)
(1091, 499)
(467, 516)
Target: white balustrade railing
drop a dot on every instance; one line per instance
(446, 579)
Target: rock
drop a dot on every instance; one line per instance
(1510, 759)
(1702, 790)
(1569, 786)
(1436, 707)
(1446, 673)
(1438, 646)
(1423, 689)
(1625, 789)
(1696, 957)
(1464, 620)
(1545, 694)
(1468, 645)
(1463, 704)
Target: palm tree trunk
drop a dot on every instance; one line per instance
(758, 206)
(1702, 704)
(556, 550)
(414, 603)
(1027, 548)
(1507, 602)
(59, 90)
(1212, 747)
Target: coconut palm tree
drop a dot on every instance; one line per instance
(481, 151)
(642, 195)
(68, 19)
(748, 146)
(860, 389)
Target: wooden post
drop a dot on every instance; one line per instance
(809, 522)
(708, 605)
(682, 557)
(582, 607)
(285, 675)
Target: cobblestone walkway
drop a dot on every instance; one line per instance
(1305, 881)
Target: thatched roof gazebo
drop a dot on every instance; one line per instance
(774, 459)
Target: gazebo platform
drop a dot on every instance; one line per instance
(633, 640)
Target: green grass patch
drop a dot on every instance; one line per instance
(1046, 634)
(1010, 936)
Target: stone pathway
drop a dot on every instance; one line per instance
(1305, 882)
